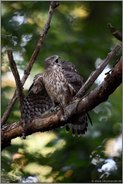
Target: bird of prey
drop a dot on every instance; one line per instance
(59, 83)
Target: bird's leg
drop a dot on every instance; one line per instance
(64, 115)
(24, 129)
(71, 109)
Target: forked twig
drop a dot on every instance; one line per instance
(97, 72)
(116, 33)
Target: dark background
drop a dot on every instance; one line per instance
(79, 34)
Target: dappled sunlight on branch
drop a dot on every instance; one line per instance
(101, 77)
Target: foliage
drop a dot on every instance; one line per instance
(79, 34)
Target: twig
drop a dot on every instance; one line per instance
(38, 47)
(116, 33)
(17, 78)
(97, 72)
(98, 95)
(102, 92)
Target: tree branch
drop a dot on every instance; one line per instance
(116, 33)
(17, 78)
(78, 106)
(33, 58)
(97, 72)
(102, 92)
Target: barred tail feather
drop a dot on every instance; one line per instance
(78, 126)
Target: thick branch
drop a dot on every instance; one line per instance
(102, 92)
(117, 34)
(97, 96)
(17, 78)
(33, 58)
(97, 72)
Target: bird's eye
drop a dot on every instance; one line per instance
(56, 61)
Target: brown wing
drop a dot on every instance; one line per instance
(71, 74)
(78, 125)
(37, 101)
(67, 66)
(74, 79)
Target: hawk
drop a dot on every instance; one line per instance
(55, 87)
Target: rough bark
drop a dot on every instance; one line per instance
(78, 105)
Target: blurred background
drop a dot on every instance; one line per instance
(78, 33)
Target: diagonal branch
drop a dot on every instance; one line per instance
(17, 78)
(102, 92)
(83, 105)
(52, 7)
(97, 72)
(116, 33)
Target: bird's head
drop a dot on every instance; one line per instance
(52, 61)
